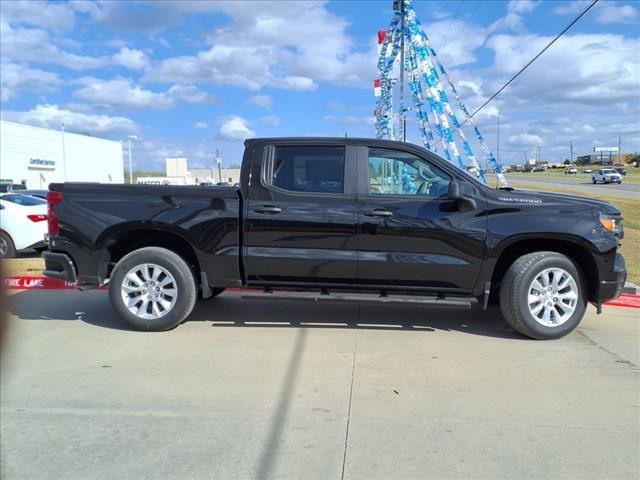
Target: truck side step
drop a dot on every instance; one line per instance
(382, 297)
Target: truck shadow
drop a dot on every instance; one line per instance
(229, 310)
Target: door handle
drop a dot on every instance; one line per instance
(378, 212)
(268, 209)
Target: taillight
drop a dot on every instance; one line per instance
(37, 218)
(53, 198)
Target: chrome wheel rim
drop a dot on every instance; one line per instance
(553, 297)
(3, 247)
(149, 291)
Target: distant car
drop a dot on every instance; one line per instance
(539, 169)
(222, 184)
(570, 170)
(587, 170)
(621, 171)
(606, 175)
(23, 223)
(8, 187)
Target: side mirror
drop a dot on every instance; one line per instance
(454, 192)
(461, 193)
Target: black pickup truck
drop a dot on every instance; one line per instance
(339, 219)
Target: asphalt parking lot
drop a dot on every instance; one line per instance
(257, 389)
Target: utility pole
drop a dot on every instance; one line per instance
(619, 149)
(64, 156)
(538, 153)
(401, 117)
(219, 162)
(571, 149)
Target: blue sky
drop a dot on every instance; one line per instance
(187, 77)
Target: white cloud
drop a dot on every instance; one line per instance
(200, 125)
(39, 14)
(15, 77)
(131, 58)
(525, 140)
(610, 13)
(123, 93)
(272, 120)
(595, 69)
(34, 45)
(236, 128)
(350, 120)
(272, 44)
(264, 101)
(574, 6)
(52, 116)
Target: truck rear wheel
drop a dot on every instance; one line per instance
(543, 295)
(152, 289)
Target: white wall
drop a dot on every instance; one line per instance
(86, 159)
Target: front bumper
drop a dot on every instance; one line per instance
(60, 266)
(612, 287)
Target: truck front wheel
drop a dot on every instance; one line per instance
(543, 295)
(152, 289)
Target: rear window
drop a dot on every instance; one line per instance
(305, 168)
(25, 200)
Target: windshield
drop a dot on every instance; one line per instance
(25, 200)
(608, 170)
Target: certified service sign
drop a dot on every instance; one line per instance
(42, 164)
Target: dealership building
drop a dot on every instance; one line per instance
(37, 156)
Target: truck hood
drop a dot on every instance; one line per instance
(547, 199)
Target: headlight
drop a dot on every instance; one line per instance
(608, 222)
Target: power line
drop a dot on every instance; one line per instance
(455, 15)
(464, 29)
(533, 59)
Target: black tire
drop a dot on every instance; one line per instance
(8, 248)
(593, 180)
(514, 293)
(185, 286)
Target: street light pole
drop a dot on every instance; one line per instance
(64, 156)
(219, 162)
(130, 163)
(131, 137)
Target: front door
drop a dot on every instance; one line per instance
(410, 233)
(301, 215)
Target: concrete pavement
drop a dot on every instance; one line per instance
(257, 389)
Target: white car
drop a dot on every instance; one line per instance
(570, 170)
(23, 223)
(606, 175)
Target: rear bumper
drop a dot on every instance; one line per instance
(612, 287)
(60, 266)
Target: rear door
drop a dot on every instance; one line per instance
(301, 214)
(410, 234)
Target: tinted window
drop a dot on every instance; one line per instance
(393, 172)
(26, 200)
(305, 168)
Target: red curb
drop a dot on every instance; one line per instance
(625, 300)
(45, 283)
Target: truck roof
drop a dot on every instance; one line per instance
(340, 140)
